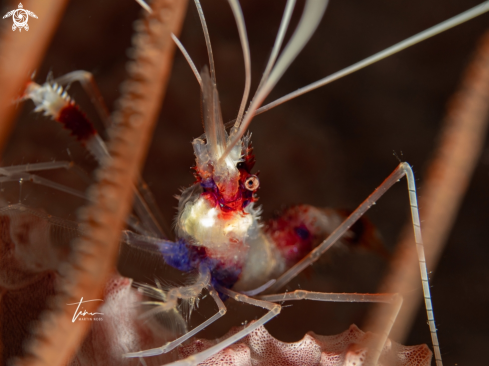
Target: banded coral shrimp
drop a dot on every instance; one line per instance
(373, 184)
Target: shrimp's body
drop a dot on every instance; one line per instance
(218, 229)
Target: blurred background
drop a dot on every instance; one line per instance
(330, 148)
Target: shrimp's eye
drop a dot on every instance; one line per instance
(252, 183)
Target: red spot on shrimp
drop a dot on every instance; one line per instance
(297, 230)
(74, 120)
(243, 197)
(292, 232)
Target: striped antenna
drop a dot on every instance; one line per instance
(422, 261)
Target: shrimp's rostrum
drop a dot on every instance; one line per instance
(330, 148)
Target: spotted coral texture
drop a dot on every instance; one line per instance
(261, 349)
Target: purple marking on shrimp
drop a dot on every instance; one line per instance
(186, 257)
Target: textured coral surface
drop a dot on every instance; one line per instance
(261, 349)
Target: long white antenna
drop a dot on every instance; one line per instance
(442, 27)
(187, 57)
(238, 16)
(284, 24)
(207, 41)
(145, 5)
(311, 16)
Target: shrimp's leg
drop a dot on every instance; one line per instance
(151, 208)
(145, 200)
(402, 170)
(87, 81)
(343, 228)
(377, 343)
(17, 173)
(185, 293)
(273, 310)
(52, 165)
(21, 173)
(144, 203)
(147, 243)
(42, 181)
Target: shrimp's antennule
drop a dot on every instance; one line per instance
(311, 16)
(284, 24)
(188, 58)
(238, 16)
(213, 126)
(207, 41)
(145, 6)
(411, 41)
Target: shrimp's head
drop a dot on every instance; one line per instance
(229, 184)
(217, 211)
(225, 178)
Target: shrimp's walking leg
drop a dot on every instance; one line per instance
(151, 208)
(42, 181)
(52, 165)
(187, 292)
(18, 173)
(273, 310)
(377, 343)
(147, 243)
(402, 170)
(144, 204)
(87, 81)
(343, 228)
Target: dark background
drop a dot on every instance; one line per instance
(329, 148)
